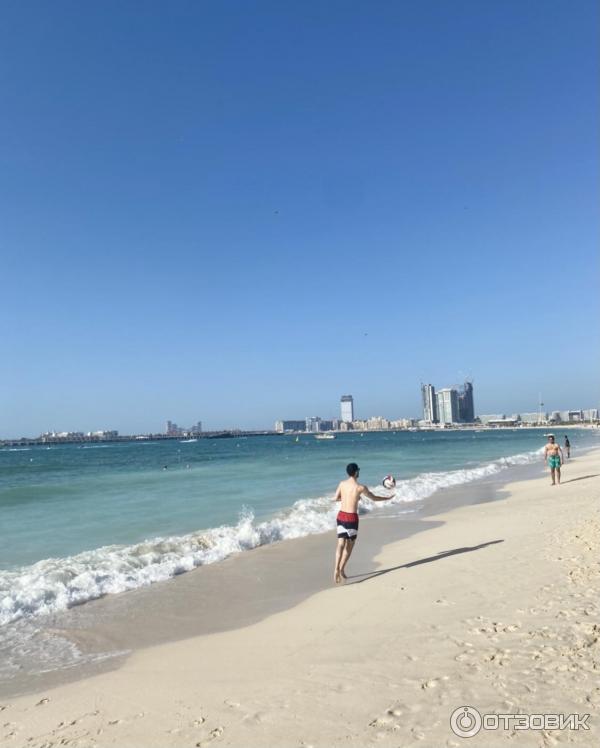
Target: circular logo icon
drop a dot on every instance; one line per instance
(465, 721)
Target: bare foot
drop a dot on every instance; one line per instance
(343, 575)
(337, 577)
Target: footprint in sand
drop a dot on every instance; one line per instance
(214, 734)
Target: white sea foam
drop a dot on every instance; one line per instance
(27, 649)
(58, 583)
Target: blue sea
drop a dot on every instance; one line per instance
(82, 521)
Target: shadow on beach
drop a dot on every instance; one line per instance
(443, 554)
(581, 477)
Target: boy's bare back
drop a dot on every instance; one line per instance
(350, 492)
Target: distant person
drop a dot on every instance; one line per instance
(567, 447)
(553, 455)
(349, 493)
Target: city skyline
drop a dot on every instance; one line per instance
(162, 426)
(415, 199)
(316, 424)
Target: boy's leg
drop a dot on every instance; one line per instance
(338, 558)
(552, 475)
(558, 475)
(348, 548)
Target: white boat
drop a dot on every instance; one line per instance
(188, 441)
(324, 436)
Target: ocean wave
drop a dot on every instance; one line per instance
(59, 583)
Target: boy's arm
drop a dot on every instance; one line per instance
(365, 492)
(338, 493)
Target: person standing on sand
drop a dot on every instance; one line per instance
(567, 447)
(349, 492)
(554, 456)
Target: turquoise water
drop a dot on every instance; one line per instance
(82, 521)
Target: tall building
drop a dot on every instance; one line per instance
(447, 405)
(172, 429)
(466, 406)
(347, 408)
(430, 412)
(313, 424)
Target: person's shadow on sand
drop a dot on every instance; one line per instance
(581, 477)
(442, 554)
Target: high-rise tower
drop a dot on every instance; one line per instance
(466, 406)
(430, 412)
(447, 405)
(347, 408)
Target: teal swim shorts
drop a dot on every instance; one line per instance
(554, 462)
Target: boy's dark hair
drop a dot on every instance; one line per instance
(352, 469)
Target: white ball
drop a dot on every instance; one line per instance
(389, 481)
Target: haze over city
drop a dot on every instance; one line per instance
(220, 219)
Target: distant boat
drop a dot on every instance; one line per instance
(297, 438)
(324, 436)
(188, 441)
(412, 428)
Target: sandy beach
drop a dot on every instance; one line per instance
(492, 605)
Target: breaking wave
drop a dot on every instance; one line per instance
(58, 583)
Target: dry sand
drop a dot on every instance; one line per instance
(495, 606)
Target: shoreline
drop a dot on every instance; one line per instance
(495, 605)
(259, 582)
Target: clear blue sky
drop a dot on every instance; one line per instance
(239, 211)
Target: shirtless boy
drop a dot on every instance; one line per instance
(349, 493)
(553, 454)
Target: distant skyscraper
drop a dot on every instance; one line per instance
(347, 408)
(313, 424)
(429, 403)
(466, 407)
(171, 429)
(447, 405)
